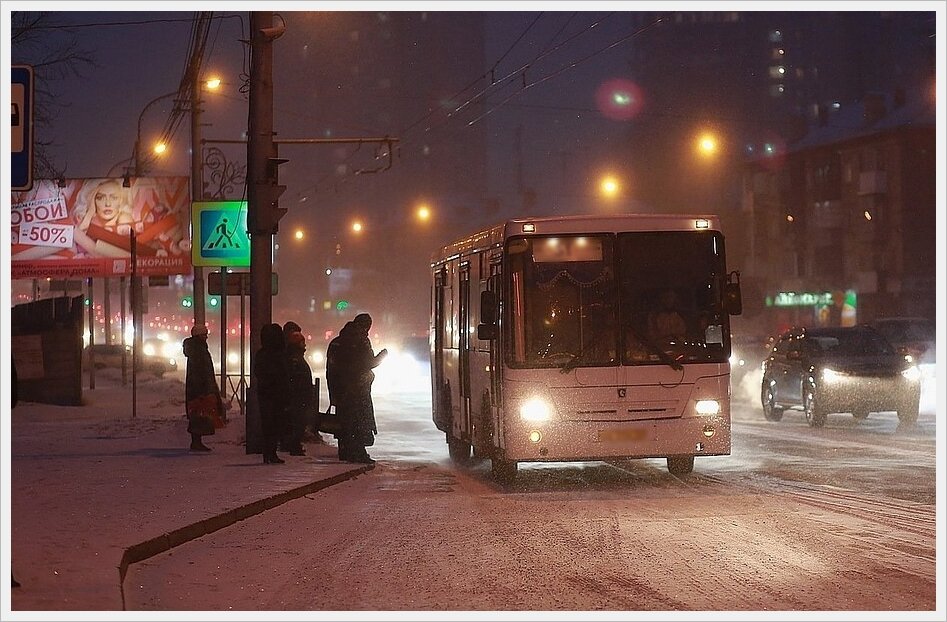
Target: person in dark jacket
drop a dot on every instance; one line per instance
(271, 376)
(200, 380)
(300, 392)
(349, 376)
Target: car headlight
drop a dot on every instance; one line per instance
(830, 375)
(536, 409)
(149, 350)
(912, 374)
(707, 407)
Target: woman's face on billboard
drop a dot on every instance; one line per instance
(109, 201)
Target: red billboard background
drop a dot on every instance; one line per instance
(84, 228)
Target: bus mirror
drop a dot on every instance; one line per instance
(488, 308)
(733, 298)
(486, 331)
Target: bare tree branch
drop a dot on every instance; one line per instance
(55, 55)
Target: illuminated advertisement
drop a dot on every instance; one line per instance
(83, 228)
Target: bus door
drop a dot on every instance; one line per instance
(442, 415)
(464, 350)
(496, 360)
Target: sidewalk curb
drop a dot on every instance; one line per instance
(165, 542)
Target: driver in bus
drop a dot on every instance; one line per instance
(666, 324)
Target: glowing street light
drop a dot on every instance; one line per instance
(212, 83)
(299, 234)
(707, 144)
(357, 227)
(609, 186)
(160, 148)
(424, 213)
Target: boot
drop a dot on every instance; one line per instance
(272, 459)
(197, 444)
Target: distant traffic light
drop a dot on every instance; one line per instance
(187, 302)
(342, 305)
(213, 301)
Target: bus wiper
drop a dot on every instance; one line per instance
(667, 360)
(572, 363)
(592, 346)
(661, 354)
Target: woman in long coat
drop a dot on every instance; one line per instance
(199, 381)
(350, 361)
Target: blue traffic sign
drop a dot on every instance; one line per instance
(219, 234)
(21, 127)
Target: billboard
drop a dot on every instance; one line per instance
(82, 227)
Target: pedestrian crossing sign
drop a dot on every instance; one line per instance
(219, 232)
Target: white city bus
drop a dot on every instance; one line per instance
(584, 338)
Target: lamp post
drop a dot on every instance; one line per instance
(138, 168)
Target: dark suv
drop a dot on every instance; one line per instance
(828, 370)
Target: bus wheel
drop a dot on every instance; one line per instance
(680, 465)
(458, 450)
(504, 471)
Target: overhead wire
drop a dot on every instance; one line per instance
(432, 110)
(560, 71)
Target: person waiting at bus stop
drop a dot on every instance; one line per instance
(271, 376)
(349, 376)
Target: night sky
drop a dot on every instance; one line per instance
(604, 93)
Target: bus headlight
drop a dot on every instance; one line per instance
(536, 409)
(707, 407)
(830, 375)
(912, 373)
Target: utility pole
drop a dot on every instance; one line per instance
(263, 192)
(197, 192)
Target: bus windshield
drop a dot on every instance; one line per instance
(602, 300)
(671, 297)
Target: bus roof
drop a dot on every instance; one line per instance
(561, 225)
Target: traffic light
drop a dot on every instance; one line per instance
(213, 301)
(187, 302)
(342, 305)
(263, 217)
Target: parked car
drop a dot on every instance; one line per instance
(914, 335)
(105, 355)
(828, 370)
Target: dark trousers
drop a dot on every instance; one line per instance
(273, 424)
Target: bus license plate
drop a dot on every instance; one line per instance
(625, 434)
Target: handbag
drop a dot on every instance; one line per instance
(207, 407)
(329, 421)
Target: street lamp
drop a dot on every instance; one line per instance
(707, 145)
(423, 213)
(139, 169)
(609, 186)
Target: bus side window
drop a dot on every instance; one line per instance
(487, 329)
